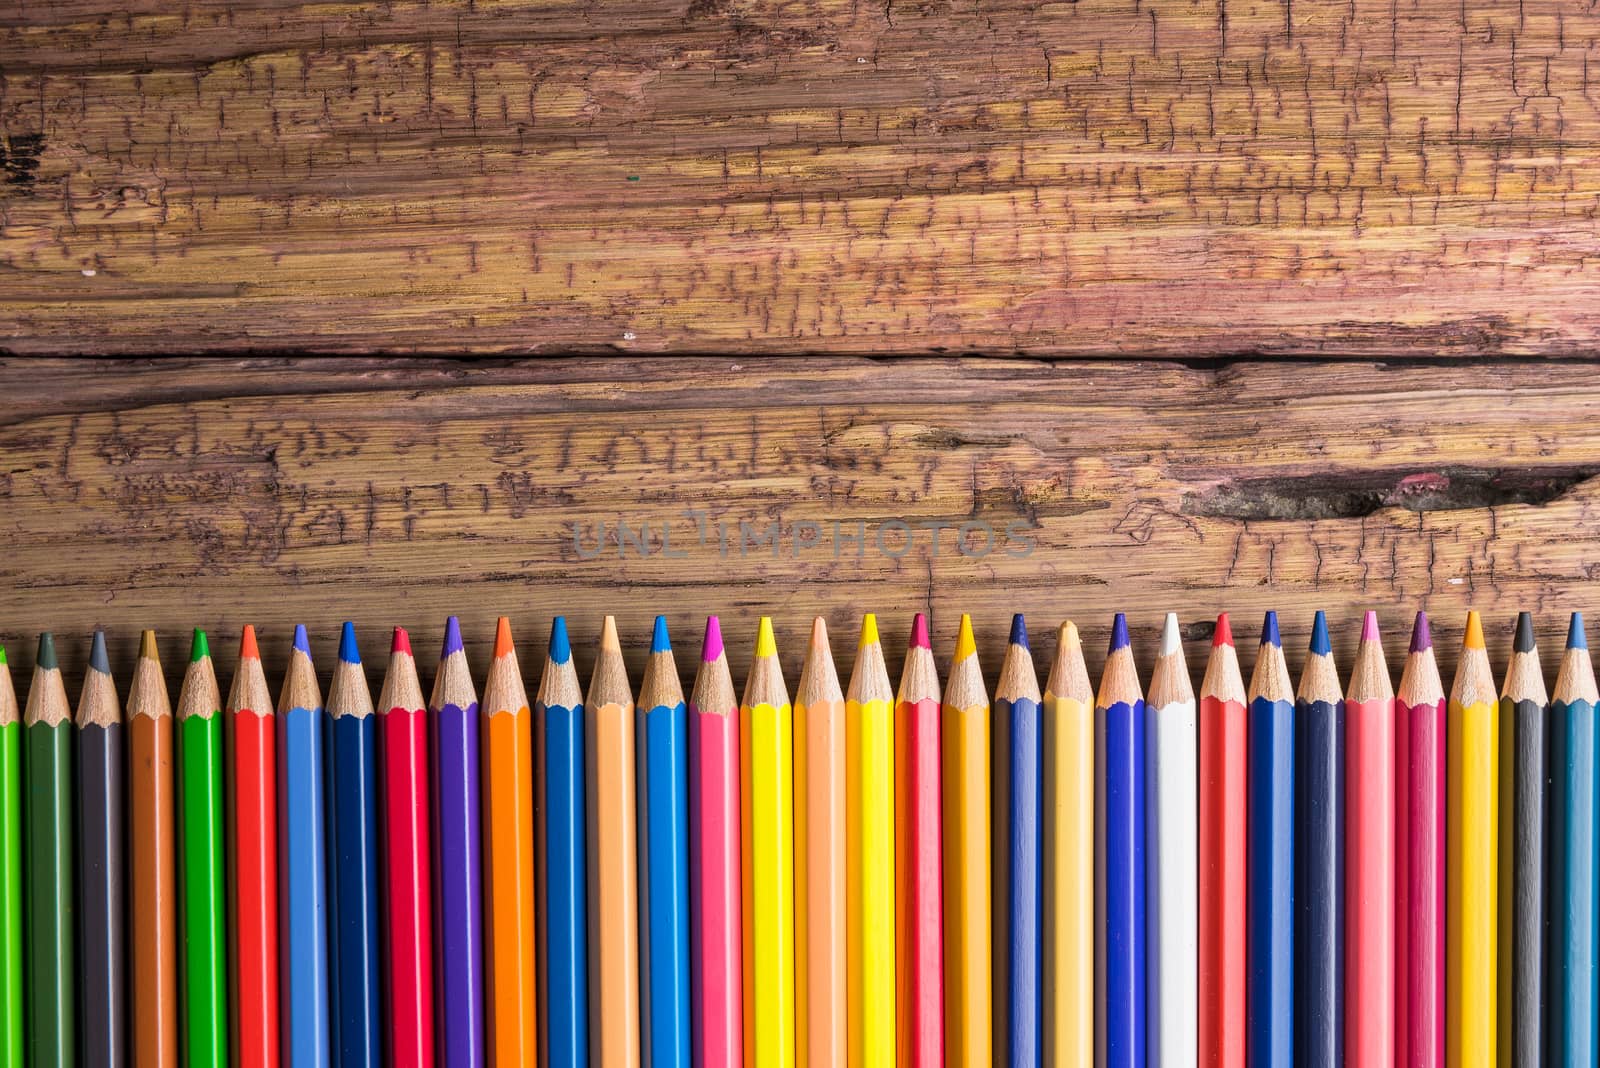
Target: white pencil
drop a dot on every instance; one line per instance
(1172, 873)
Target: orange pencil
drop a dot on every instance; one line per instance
(510, 981)
(819, 858)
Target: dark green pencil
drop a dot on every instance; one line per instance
(50, 921)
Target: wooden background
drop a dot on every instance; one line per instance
(215, 492)
(1286, 303)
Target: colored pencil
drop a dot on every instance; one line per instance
(559, 788)
(1224, 851)
(820, 847)
(509, 938)
(918, 863)
(1270, 891)
(1068, 813)
(613, 860)
(152, 883)
(407, 857)
(662, 726)
(1319, 753)
(49, 919)
(1521, 914)
(766, 730)
(458, 857)
(1172, 854)
(1018, 848)
(870, 862)
(102, 888)
(715, 872)
(251, 781)
(1471, 852)
(350, 738)
(1574, 902)
(1369, 872)
(1120, 821)
(968, 1019)
(1419, 942)
(12, 990)
(303, 862)
(202, 918)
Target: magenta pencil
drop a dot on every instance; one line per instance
(1369, 868)
(1419, 856)
(716, 934)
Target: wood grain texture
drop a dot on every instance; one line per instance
(398, 491)
(726, 176)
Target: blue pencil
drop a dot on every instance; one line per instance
(1319, 858)
(662, 725)
(1018, 841)
(1119, 717)
(1270, 863)
(350, 740)
(302, 863)
(1574, 901)
(561, 859)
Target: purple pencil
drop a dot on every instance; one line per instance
(458, 927)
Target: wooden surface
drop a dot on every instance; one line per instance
(177, 493)
(1179, 177)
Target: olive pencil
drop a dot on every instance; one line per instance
(153, 889)
(1574, 902)
(50, 920)
(1270, 887)
(303, 862)
(202, 916)
(103, 890)
(1319, 739)
(350, 739)
(1521, 916)
(11, 977)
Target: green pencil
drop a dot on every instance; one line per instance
(50, 920)
(10, 872)
(202, 908)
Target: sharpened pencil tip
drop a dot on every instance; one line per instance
(247, 644)
(147, 646)
(766, 644)
(46, 657)
(1269, 630)
(1068, 634)
(560, 644)
(97, 653)
(919, 632)
(301, 641)
(819, 633)
(1524, 640)
(452, 637)
(1171, 638)
(1473, 639)
(502, 637)
(1119, 633)
(869, 631)
(349, 652)
(1320, 645)
(199, 648)
(659, 642)
(1223, 635)
(965, 645)
(1421, 634)
(401, 642)
(1019, 631)
(711, 647)
(1576, 639)
(1369, 626)
(608, 635)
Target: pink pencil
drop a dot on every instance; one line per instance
(717, 987)
(1419, 884)
(919, 935)
(1369, 998)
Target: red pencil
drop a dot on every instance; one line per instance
(919, 866)
(253, 888)
(1223, 830)
(403, 760)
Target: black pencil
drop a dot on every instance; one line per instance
(102, 932)
(1524, 812)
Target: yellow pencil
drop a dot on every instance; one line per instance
(1472, 738)
(1068, 855)
(766, 727)
(869, 808)
(968, 1018)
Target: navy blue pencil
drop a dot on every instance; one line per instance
(1270, 864)
(1319, 858)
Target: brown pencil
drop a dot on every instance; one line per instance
(152, 889)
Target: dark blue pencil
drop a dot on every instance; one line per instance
(351, 742)
(1319, 858)
(1574, 901)
(1270, 884)
(1119, 717)
(1018, 851)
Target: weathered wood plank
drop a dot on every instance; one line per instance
(171, 494)
(1094, 177)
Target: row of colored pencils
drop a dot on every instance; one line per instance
(1267, 874)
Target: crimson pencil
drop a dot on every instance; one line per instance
(1224, 781)
(1419, 856)
(253, 859)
